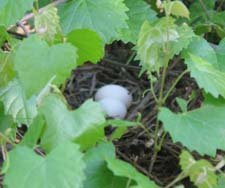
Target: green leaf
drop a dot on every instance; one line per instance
(97, 173)
(36, 69)
(121, 127)
(159, 42)
(201, 48)
(33, 133)
(47, 23)
(182, 104)
(6, 68)
(89, 45)
(201, 172)
(177, 8)
(221, 181)
(6, 124)
(4, 35)
(11, 11)
(220, 52)
(62, 124)
(208, 77)
(63, 167)
(139, 11)
(104, 17)
(201, 60)
(121, 168)
(16, 104)
(202, 130)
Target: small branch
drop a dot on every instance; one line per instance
(31, 15)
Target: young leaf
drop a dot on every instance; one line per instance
(121, 168)
(104, 17)
(139, 11)
(16, 104)
(97, 173)
(201, 172)
(202, 130)
(62, 124)
(11, 11)
(89, 45)
(159, 42)
(36, 63)
(176, 8)
(47, 23)
(63, 167)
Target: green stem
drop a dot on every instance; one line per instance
(205, 10)
(162, 140)
(131, 58)
(152, 89)
(181, 176)
(162, 86)
(174, 85)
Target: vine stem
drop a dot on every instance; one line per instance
(174, 84)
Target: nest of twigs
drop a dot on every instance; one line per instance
(135, 146)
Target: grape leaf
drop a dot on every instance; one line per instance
(6, 124)
(201, 48)
(202, 130)
(104, 17)
(62, 124)
(6, 68)
(34, 132)
(89, 45)
(139, 11)
(201, 172)
(47, 23)
(16, 104)
(36, 63)
(220, 52)
(159, 42)
(176, 8)
(12, 11)
(97, 173)
(63, 167)
(208, 77)
(124, 169)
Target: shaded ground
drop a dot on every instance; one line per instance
(135, 146)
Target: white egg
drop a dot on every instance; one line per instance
(113, 108)
(115, 92)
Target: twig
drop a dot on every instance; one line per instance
(121, 64)
(31, 15)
